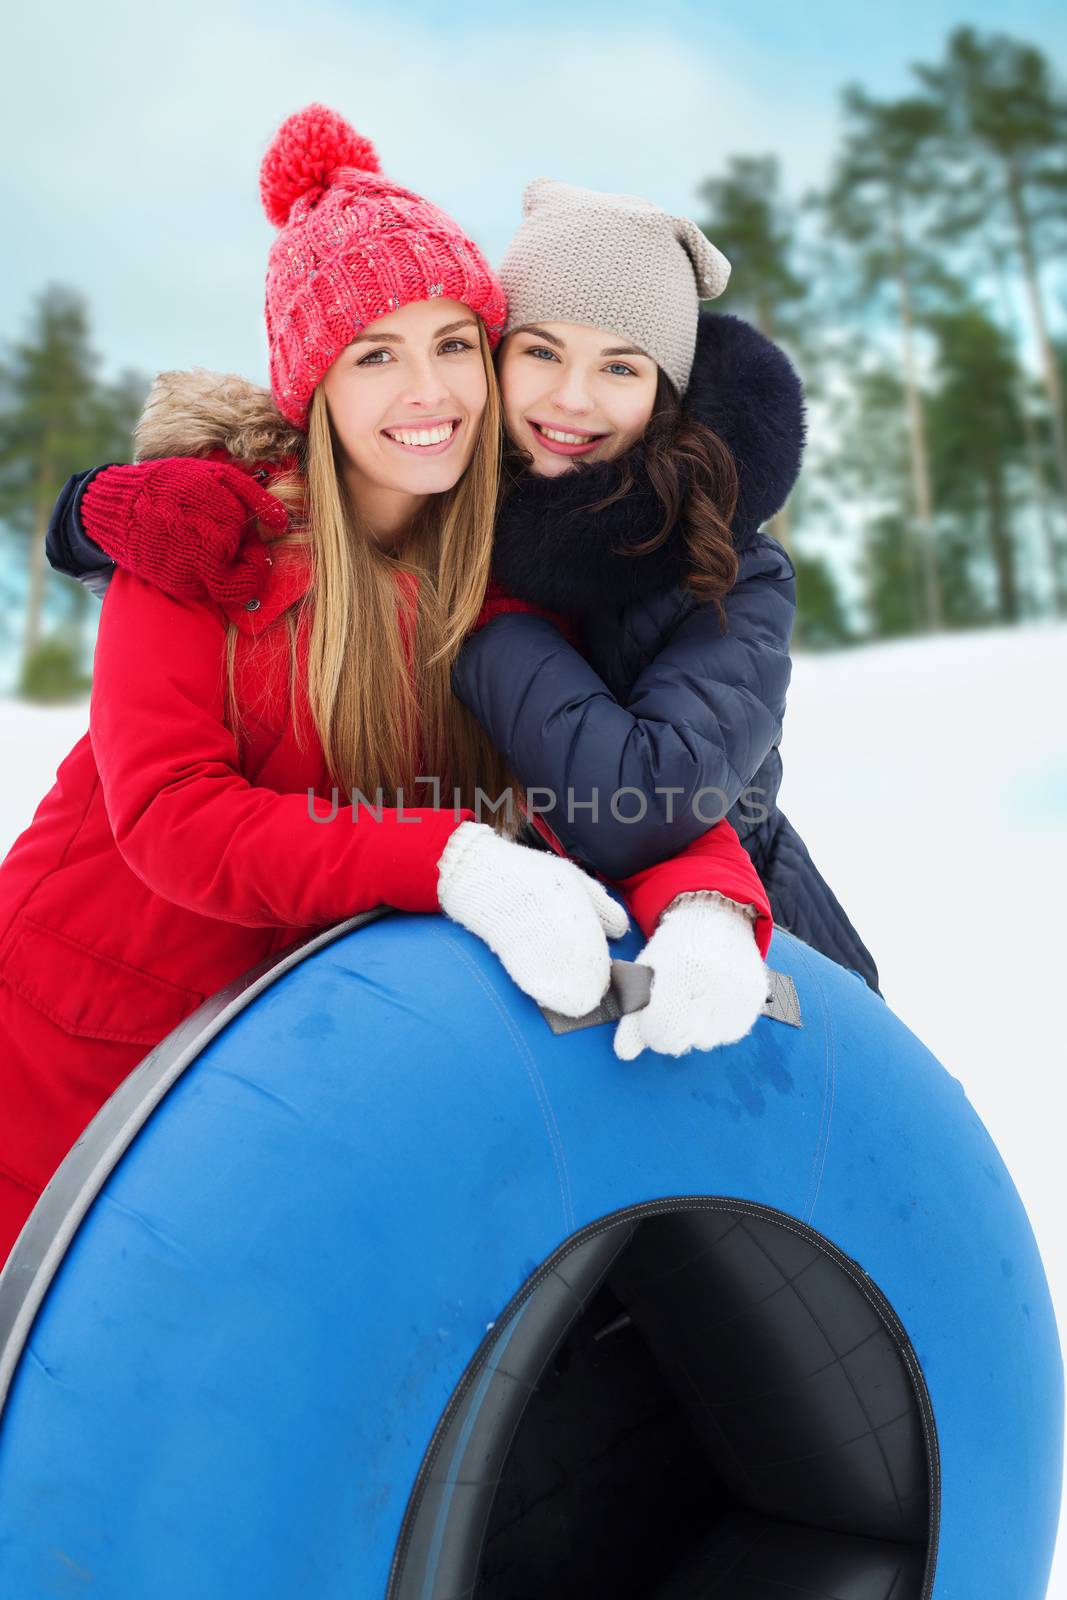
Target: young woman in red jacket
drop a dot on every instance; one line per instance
(195, 829)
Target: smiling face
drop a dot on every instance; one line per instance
(406, 400)
(574, 393)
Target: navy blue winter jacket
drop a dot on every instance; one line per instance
(659, 702)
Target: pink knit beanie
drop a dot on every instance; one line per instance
(351, 247)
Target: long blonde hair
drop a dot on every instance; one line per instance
(381, 723)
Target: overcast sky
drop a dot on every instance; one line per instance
(134, 135)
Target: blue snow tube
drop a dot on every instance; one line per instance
(368, 1283)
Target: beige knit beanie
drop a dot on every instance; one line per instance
(613, 261)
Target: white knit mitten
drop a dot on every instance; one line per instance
(543, 916)
(709, 982)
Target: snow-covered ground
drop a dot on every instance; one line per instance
(929, 780)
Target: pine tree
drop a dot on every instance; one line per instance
(978, 449)
(56, 418)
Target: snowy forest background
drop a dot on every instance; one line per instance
(920, 293)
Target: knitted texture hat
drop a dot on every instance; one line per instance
(352, 246)
(613, 261)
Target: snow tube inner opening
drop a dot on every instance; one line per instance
(708, 1400)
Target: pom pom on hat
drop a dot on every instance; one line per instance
(351, 246)
(309, 147)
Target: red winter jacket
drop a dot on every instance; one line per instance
(165, 862)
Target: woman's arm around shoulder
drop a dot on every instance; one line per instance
(185, 523)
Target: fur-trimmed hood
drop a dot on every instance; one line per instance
(196, 412)
(550, 550)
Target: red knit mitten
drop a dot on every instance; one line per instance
(185, 524)
(498, 602)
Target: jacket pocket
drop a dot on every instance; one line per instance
(87, 993)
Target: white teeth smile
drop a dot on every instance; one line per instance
(422, 435)
(567, 438)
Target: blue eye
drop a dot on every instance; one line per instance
(622, 367)
(369, 361)
(539, 350)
